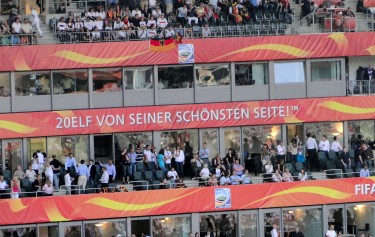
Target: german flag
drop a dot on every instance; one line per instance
(160, 45)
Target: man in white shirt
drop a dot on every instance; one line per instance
(172, 174)
(331, 232)
(312, 149)
(324, 146)
(30, 173)
(180, 159)
(16, 26)
(148, 154)
(274, 232)
(136, 11)
(336, 146)
(36, 20)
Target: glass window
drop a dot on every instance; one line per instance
(254, 137)
(139, 78)
(307, 221)
(329, 129)
(4, 84)
(67, 82)
(291, 72)
(12, 150)
(357, 216)
(220, 224)
(106, 228)
(211, 137)
(19, 231)
(214, 75)
(62, 146)
(35, 144)
(175, 77)
(48, 230)
(124, 140)
(270, 219)
(72, 230)
(360, 130)
(232, 140)
(33, 83)
(186, 139)
(336, 217)
(248, 224)
(326, 71)
(251, 74)
(171, 226)
(107, 80)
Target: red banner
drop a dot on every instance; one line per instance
(55, 123)
(138, 53)
(369, 3)
(174, 201)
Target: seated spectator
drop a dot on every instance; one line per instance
(169, 32)
(16, 26)
(151, 33)
(162, 22)
(26, 26)
(19, 173)
(48, 188)
(225, 179)
(30, 173)
(287, 176)
(122, 34)
(136, 11)
(192, 16)
(235, 179)
(204, 174)
(156, 13)
(182, 14)
(96, 35)
(268, 168)
(151, 22)
(276, 177)
(206, 31)
(219, 170)
(302, 176)
(78, 25)
(281, 166)
(212, 181)
(216, 161)
(196, 164)
(3, 187)
(349, 12)
(98, 23)
(172, 174)
(365, 172)
(238, 167)
(37, 184)
(246, 177)
(339, 21)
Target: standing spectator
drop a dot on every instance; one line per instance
(30, 174)
(312, 149)
(293, 150)
(196, 165)
(161, 161)
(345, 160)
(168, 157)
(56, 165)
(40, 160)
(34, 163)
(125, 166)
(92, 173)
(274, 232)
(180, 159)
(83, 174)
(324, 146)
(110, 169)
(68, 182)
(365, 155)
(162, 22)
(336, 146)
(133, 160)
(229, 160)
(15, 187)
(36, 20)
(204, 152)
(331, 232)
(182, 14)
(48, 188)
(71, 164)
(281, 151)
(104, 180)
(3, 186)
(49, 172)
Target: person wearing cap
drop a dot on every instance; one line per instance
(331, 232)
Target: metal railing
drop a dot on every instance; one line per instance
(359, 87)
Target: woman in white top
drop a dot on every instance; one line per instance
(302, 176)
(34, 163)
(268, 168)
(281, 151)
(276, 177)
(287, 176)
(49, 172)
